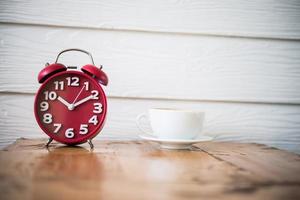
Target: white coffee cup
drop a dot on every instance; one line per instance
(173, 123)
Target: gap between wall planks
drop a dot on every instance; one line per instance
(274, 125)
(259, 18)
(166, 66)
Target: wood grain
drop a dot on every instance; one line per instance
(253, 158)
(274, 125)
(136, 169)
(158, 65)
(259, 18)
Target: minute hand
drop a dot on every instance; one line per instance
(83, 100)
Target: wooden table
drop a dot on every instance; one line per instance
(141, 170)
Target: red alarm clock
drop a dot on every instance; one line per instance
(70, 106)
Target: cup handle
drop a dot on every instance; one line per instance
(138, 124)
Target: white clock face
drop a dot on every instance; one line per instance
(70, 107)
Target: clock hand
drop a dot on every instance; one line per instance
(59, 98)
(83, 100)
(78, 95)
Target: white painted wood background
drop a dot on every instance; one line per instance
(239, 61)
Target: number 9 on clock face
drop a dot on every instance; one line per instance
(71, 107)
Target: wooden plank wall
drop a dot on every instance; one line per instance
(237, 60)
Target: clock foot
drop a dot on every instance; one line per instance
(91, 144)
(48, 143)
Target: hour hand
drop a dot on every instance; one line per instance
(59, 98)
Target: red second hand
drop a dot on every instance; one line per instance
(77, 96)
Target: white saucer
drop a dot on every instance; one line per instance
(175, 144)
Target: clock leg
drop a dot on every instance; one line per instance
(91, 144)
(48, 143)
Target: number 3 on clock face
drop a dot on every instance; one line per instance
(71, 107)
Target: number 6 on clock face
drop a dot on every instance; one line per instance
(69, 133)
(71, 107)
